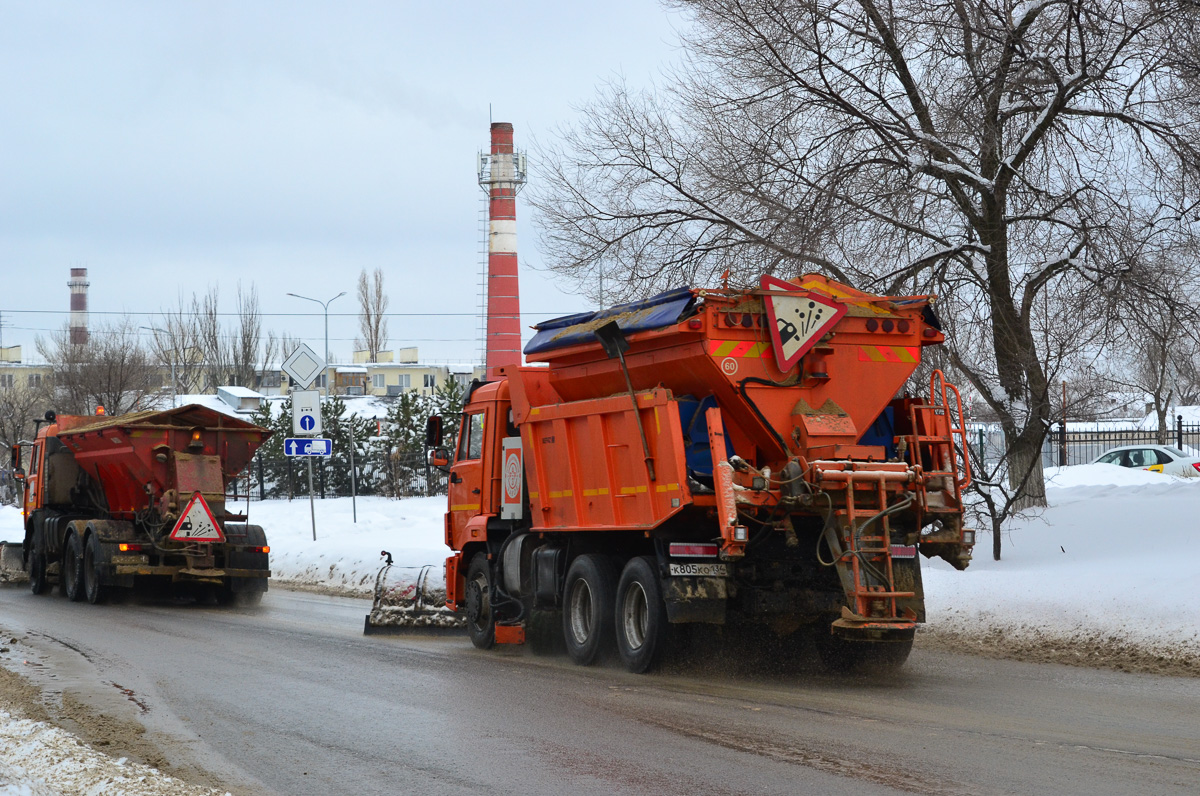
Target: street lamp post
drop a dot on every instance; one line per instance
(325, 306)
(174, 383)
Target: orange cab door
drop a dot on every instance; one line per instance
(466, 475)
(33, 491)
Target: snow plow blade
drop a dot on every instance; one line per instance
(12, 566)
(403, 606)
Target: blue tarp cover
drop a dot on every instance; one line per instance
(665, 309)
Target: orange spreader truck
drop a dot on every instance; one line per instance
(110, 501)
(712, 456)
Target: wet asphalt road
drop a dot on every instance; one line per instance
(291, 698)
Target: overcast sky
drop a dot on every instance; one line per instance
(172, 146)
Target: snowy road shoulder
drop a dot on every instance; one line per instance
(1108, 575)
(39, 760)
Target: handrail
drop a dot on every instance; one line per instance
(960, 430)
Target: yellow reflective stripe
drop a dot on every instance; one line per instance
(594, 492)
(904, 353)
(870, 353)
(729, 348)
(632, 490)
(465, 507)
(562, 494)
(667, 488)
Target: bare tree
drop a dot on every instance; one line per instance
(112, 369)
(1161, 334)
(372, 318)
(988, 151)
(237, 355)
(19, 405)
(175, 343)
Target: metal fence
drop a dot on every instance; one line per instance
(1067, 446)
(1074, 445)
(398, 476)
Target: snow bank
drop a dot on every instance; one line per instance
(346, 554)
(1113, 562)
(1107, 475)
(39, 760)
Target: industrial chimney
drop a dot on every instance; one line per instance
(79, 310)
(502, 175)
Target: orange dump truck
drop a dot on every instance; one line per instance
(711, 456)
(109, 501)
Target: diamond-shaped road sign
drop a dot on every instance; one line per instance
(303, 366)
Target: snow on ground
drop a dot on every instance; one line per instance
(1113, 561)
(39, 760)
(346, 555)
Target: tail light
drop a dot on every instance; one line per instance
(127, 548)
(689, 550)
(263, 549)
(904, 551)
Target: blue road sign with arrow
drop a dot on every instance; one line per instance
(320, 446)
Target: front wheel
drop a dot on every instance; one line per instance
(641, 616)
(72, 568)
(588, 597)
(37, 573)
(481, 619)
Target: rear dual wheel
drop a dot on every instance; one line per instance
(71, 572)
(588, 599)
(641, 620)
(93, 559)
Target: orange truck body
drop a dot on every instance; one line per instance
(809, 486)
(104, 494)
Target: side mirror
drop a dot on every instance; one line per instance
(433, 432)
(16, 458)
(18, 474)
(439, 458)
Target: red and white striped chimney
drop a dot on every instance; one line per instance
(502, 174)
(79, 310)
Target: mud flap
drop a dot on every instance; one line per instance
(695, 599)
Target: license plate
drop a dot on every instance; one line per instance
(703, 570)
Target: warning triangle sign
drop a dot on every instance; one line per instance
(197, 523)
(797, 321)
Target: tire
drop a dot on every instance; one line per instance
(93, 559)
(840, 656)
(71, 572)
(641, 616)
(38, 583)
(588, 602)
(481, 619)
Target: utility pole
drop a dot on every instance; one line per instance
(325, 306)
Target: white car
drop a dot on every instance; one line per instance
(1158, 458)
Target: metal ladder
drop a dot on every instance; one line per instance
(935, 425)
